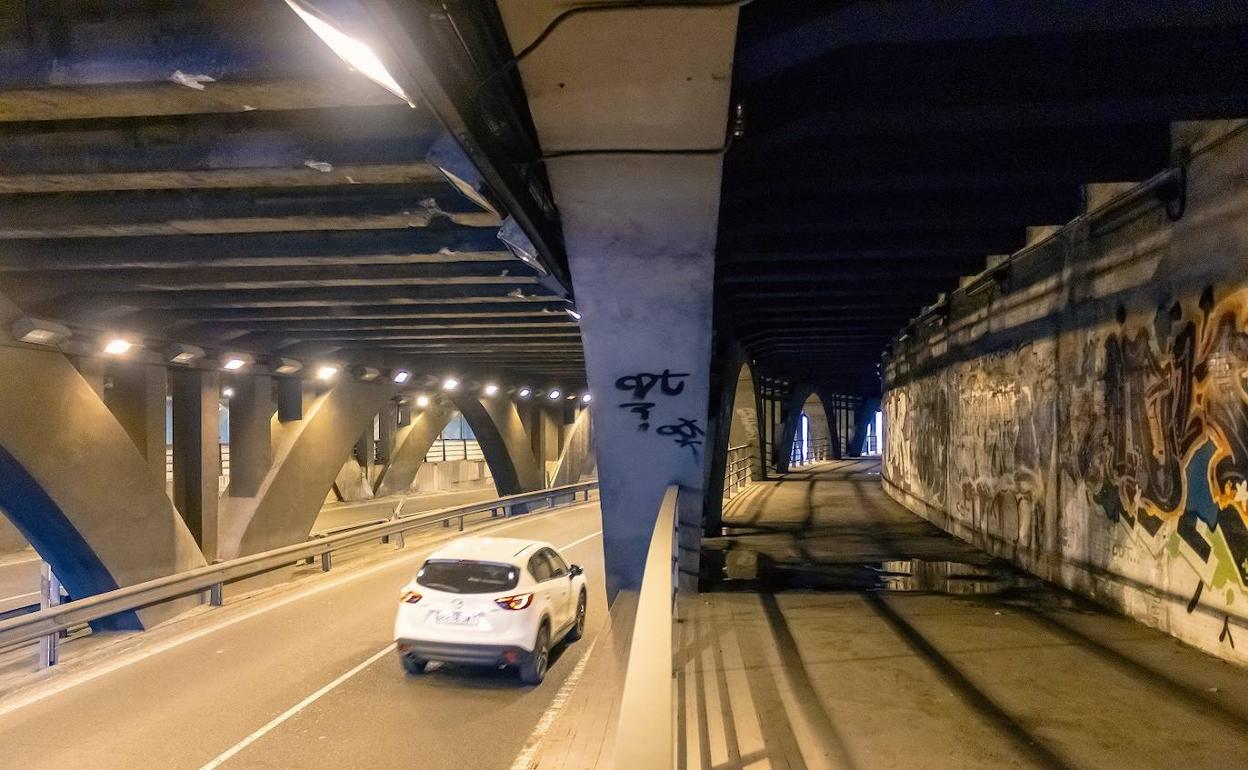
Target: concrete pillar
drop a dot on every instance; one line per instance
(863, 416)
(790, 416)
(831, 413)
(504, 442)
(308, 458)
(387, 426)
(411, 444)
(289, 399)
(642, 258)
(73, 483)
(93, 371)
(137, 400)
(726, 367)
(197, 453)
(549, 425)
(640, 233)
(251, 440)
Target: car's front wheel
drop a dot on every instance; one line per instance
(413, 664)
(533, 670)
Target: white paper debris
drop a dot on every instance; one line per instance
(191, 81)
(319, 165)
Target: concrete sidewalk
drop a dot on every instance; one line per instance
(841, 631)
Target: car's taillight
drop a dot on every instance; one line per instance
(517, 602)
(410, 597)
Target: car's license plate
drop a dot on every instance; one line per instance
(457, 619)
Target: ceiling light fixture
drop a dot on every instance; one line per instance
(232, 362)
(287, 366)
(354, 52)
(36, 331)
(116, 346)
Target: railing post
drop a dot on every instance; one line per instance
(327, 561)
(399, 541)
(216, 596)
(461, 523)
(49, 596)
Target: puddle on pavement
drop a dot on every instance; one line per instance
(746, 570)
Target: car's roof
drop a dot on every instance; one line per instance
(506, 550)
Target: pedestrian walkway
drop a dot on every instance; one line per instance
(838, 630)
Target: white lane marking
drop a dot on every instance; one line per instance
(88, 674)
(531, 746)
(295, 709)
(582, 540)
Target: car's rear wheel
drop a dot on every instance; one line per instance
(533, 670)
(413, 664)
(578, 625)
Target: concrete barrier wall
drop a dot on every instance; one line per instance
(1085, 412)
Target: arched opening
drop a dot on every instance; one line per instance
(745, 456)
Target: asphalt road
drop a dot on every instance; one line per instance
(215, 696)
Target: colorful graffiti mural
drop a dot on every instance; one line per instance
(1169, 457)
(1120, 448)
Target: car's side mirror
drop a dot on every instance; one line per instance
(575, 570)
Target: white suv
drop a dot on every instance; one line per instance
(491, 601)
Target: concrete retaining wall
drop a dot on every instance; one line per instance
(1085, 413)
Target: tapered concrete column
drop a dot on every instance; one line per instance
(725, 371)
(790, 416)
(834, 435)
(863, 417)
(197, 453)
(411, 444)
(93, 371)
(504, 442)
(387, 426)
(290, 399)
(309, 455)
(73, 483)
(137, 400)
(640, 232)
(642, 256)
(251, 439)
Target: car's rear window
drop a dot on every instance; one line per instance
(468, 577)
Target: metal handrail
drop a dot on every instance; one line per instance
(739, 470)
(647, 705)
(211, 578)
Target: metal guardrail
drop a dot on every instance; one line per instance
(647, 705)
(48, 622)
(739, 470)
(811, 452)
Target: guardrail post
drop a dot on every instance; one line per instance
(327, 561)
(49, 596)
(399, 542)
(216, 596)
